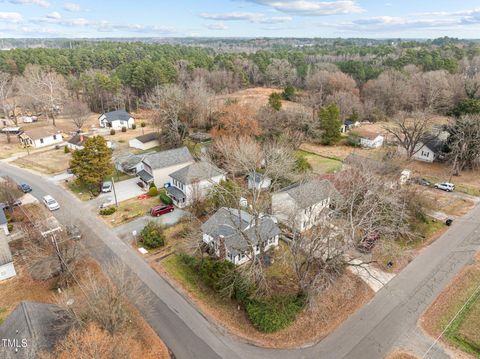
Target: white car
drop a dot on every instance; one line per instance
(445, 186)
(107, 186)
(50, 203)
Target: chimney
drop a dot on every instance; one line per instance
(222, 251)
(81, 138)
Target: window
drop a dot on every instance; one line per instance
(54, 137)
(41, 140)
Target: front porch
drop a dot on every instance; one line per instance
(178, 197)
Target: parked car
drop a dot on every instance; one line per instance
(25, 188)
(16, 203)
(445, 186)
(50, 203)
(73, 232)
(368, 243)
(107, 186)
(422, 182)
(161, 209)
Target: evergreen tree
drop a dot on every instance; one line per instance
(275, 101)
(330, 124)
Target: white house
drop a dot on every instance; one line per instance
(193, 182)
(429, 151)
(7, 269)
(40, 137)
(234, 235)
(3, 223)
(369, 139)
(116, 119)
(156, 167)
(303, 205)
(258, 181)
(145, 142)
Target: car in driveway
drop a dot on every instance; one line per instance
(25, 188)
(50, 203)
(445, 186)
(107, 186)
(161, 209)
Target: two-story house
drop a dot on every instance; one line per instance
(234, 235)
(193, 182)
(156, 167)
(303, 205)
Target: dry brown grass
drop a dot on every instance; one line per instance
(341, 151)
(130, 209)
(48, 162)
(400, 355)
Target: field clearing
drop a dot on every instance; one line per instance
(47, 162)
(464, 331)
(320, 164)
(340, 152)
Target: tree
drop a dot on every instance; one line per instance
(281, 73)
(288, 93)
(93, 163)
(464, 143)
(411, 130)
(470, 106)
(77, 112)
(6, 91)
(275, 101)
(9, 191)
(330, 124)
(237, 120)
(152, 236)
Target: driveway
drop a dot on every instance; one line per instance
(388, 321)
(169, 219)
(124, 189)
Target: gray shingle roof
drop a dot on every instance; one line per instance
(197, 171)
(309, 193)
(258, 177)
(147, 137)
(40, 324)
(118, 115)
(3, 218)
(5, 253)
(238, 229)
(168, 158)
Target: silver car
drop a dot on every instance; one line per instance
(50, 203)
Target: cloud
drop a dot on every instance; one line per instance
(218, 26)
(72, 7)
(312, 7)
(11, 17)
(42, 3)
(54, 15)
(253, 17)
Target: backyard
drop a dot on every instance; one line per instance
(320, 164)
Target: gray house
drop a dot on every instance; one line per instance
(233, 235)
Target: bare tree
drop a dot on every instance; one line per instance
(9, 191)
(6, 91)
(77, 112)
(464, 143)
(281, 73)
(411, 130)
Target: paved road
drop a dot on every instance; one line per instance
(384, 323)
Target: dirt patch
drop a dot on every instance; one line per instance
(400, 355)
(332, 308)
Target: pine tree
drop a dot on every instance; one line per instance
(330, 124)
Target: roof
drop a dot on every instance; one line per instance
(148, 137)
(77, 139)
(379, 167)
(238, 229)
(39, 323)
(129, 160)
(5, 253)
(3, 218)
(176, 193)
(40, 132)
(145, 176)
(197, 171)
(368, 134)
(168, 158)
(309, 193)
(435, 144)
(118, 115)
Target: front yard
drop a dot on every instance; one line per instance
(130, 209)
(48, 162)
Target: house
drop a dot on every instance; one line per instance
(3, 223)
(258, 181)
(77, 142)
(234, 235)
(116, 119)
(348, 125)
(193, 182)
(7, 269)
(145, 142)
(369, 139)
(429, 150)
(33, 328)
(303, 205)
(156, 167)
(40, 137)
(128, 162)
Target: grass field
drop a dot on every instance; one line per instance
(48, 162)
(130, 209)
(321, 164)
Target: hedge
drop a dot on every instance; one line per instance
(108, 211)
(165, 199)
(153, 191)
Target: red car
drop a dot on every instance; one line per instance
(161, 209)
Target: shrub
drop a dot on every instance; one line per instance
(10, 227)
(301, 163)
(275, 313)
(108, 211)
(152, 236)
(275, 101)
(66, 149)
(142, 124)
(353, 139)
(152, 184)
(134, 126)
(165, 199)
(124, 129)
(153, 191)
(288, 93)
(112, 132)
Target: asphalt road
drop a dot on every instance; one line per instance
(384, 323)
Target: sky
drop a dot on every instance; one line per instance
(241, 18)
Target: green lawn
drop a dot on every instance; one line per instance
(321, 164)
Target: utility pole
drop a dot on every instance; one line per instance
(114, 192)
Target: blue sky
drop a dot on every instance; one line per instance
(241, 18)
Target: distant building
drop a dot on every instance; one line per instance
(369, 139)
(40, 137)
(116, 119)
(145, 142)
